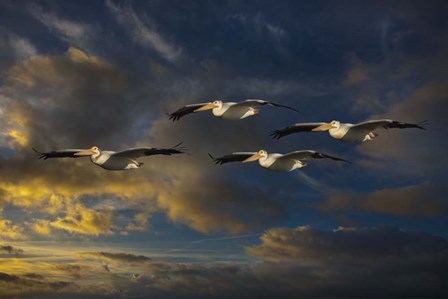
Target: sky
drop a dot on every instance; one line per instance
(77, 74)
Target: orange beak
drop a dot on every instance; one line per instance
(253, 158)
(206, 107)
(324, 127)
(88, 152)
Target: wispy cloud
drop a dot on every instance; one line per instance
(314, 184)
(9, 249)
(260, 25)
(291, 262)
(142, 33)
(21, 47)
(75, 33)
(119, 256)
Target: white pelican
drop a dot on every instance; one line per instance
(346, 132)
(226, 110)
(110, 160)
(274, 162)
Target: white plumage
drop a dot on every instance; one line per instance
(110, 160)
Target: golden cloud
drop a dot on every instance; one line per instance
(78, 96)
(10, 231)
(42, 227)
(84, 221)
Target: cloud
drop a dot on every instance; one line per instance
(47, 87)
(306, 243)
(10, 250)
(347, 262)
(42, 227)
(291, 262)
(358, 71)
(15, 45)
(425, 103)
(422, 199)
(13, 48)
(77, 94)
(142, 33)
(81, 220)
(120, 257)
(76, 34)
(258, 24)
(10, 231)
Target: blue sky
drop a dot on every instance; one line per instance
(77, 74)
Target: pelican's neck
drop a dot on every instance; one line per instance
(95, 157)
(265, 161)
(339, 132)
(218, 112)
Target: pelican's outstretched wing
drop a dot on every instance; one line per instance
(296, 128)
(184, 111)
(386, 124)
(67, 153)
(135, 153)
(233, 157)
(257, 102)
(309, 154)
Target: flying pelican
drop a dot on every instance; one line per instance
(346, 132)
(274, 162)
(110, 160)
(226, 110)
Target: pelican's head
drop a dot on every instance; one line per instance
(94, 151)
(211, 105)
(260, 154)
(334, 124)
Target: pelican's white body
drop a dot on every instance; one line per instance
(348, 133)
(273, 163)
(106, 160)
(229, 111)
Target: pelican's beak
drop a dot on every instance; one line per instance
(206, 107)
(88, 152)
(323, 127)
(253, 158)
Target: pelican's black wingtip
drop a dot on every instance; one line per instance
(275, 135)
(172, 116)
(180, 149)
(40, 154)
(423, 125)
(217, 161)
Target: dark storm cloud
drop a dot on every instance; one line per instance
(379, 262)
(7, 277)
(8, 249)
(74, 93)
(423, 199)
(81, 100)
(120, 256)
(87, 101)
(13, 285)
(12, 49)
(383, 262)
(306, 243)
